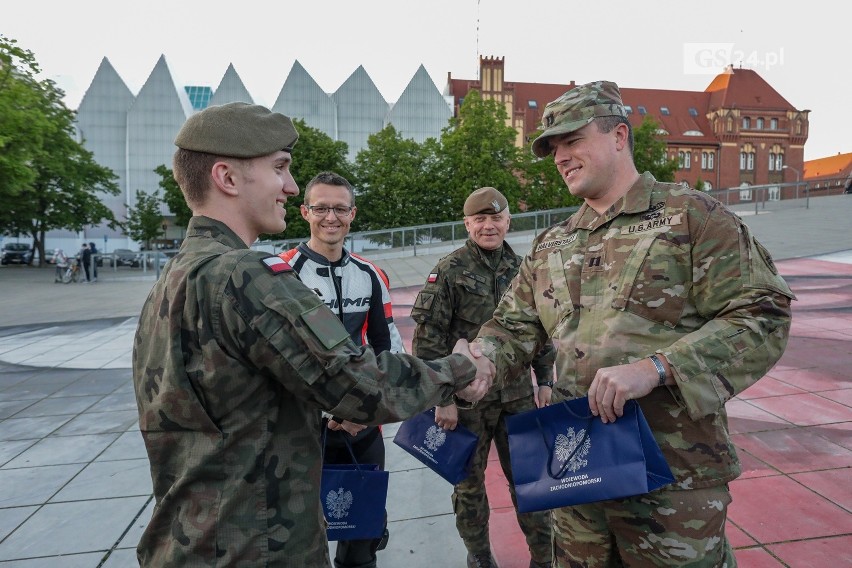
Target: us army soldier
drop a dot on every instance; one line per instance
(650, 292)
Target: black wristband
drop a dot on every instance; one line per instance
(548, 384)
(661, 370)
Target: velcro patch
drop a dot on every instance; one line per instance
(557, 243)
(277, 265)
(474, 276)
(325, 326)
(433, 277)
(663, 222)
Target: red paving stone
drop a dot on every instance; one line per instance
(828, 552)
(792, 505)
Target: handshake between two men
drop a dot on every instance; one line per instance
(472, 393)
(485, 371)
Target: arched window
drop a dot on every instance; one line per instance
(747, 158)
(776, 158)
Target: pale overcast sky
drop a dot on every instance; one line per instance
(800, 48)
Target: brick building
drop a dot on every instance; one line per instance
(738, 132)
(829, 176)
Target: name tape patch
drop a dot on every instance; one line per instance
(557, 243)
(664, 221)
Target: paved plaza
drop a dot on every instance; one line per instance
(75, 489)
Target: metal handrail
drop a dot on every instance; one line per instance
(425, 239)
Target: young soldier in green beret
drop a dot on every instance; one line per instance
(234, 360)
(650, 292)
(459, 296)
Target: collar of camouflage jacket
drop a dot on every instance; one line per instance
(201, 226)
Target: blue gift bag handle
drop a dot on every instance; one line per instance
(550, 451)
(348, 447)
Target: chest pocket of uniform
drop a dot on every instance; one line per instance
(655, 280)
(554, 303)
(477, 303)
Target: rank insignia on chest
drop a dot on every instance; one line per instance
(433, 277)
(276, 265)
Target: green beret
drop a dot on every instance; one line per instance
(577, 108)
(237, 130)
(485, 200)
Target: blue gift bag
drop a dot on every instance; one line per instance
(353, 499)
(561, 455)
(446, 452)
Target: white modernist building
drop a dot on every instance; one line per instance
(132, 135)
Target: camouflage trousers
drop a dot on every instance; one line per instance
(470, 501)
(661, 528)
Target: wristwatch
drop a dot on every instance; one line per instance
(548, 384)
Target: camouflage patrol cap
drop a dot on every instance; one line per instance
(238, 130)
(485, 200)
(577, 108)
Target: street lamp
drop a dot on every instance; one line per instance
(798, 177)
(786, 167)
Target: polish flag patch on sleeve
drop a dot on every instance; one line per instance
(433, 277)
(277, 265)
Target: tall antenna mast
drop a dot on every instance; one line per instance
(477, 40)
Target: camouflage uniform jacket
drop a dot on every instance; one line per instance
(459, 296)
(233, 360)
(665, 270)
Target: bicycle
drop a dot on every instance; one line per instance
(72, 273)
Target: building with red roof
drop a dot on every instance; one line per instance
(738, 132)
(829, 176)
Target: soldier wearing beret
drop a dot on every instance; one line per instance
(234, 359)
(652, 292)
(459, 296)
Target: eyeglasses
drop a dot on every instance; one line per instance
(322, 210)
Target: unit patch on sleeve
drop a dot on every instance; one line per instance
(433, 277)
(276, 265)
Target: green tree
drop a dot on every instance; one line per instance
(21, 125)
(397, 184)
(173, 196)
(543, 186)
(649, 151)
(478, 149)
(145, 222)
(61, 189)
